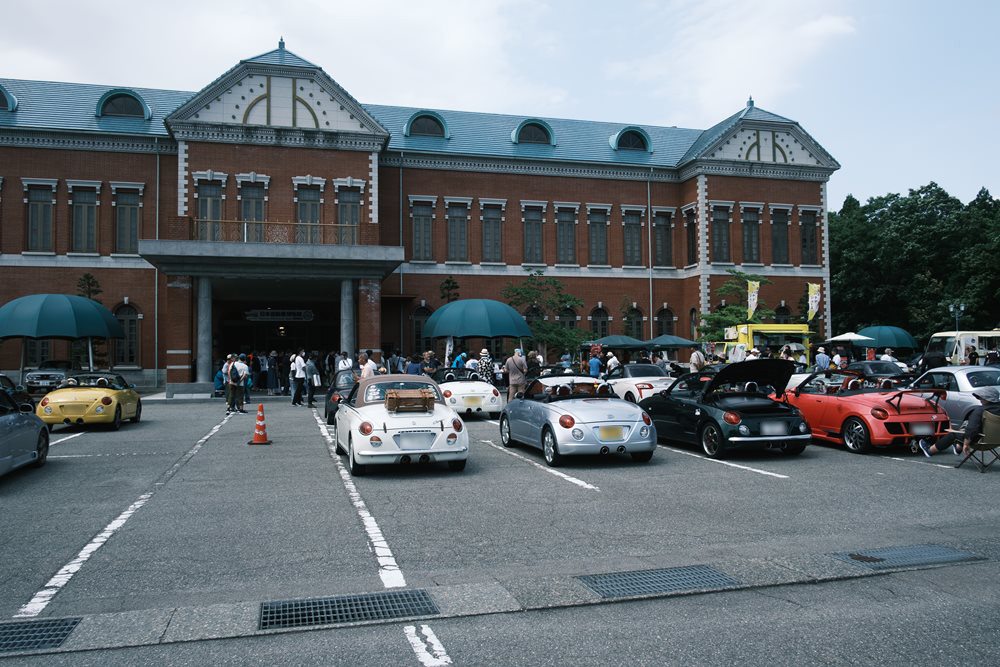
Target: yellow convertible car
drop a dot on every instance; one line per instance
(91, 398)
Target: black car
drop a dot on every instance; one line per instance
(15, 391)
(731, 407)
(881, 374)
(343, 382)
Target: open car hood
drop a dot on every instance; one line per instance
(773, 372)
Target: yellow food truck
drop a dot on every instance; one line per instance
(744, 337)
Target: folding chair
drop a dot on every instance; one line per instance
(987, 443)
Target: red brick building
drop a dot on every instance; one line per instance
(272, 210)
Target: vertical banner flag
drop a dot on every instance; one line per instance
(753, 286)
(813, 300)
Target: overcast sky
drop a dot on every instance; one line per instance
(901, 92)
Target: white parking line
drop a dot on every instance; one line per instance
(923, 463)
(569, 478)
(68, 437)
(431, 654)
(728, 463)
(42, 598)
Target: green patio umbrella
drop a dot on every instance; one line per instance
(484, 318)
(669, 342)
(619, 342)
(57, 316)
(887, 336)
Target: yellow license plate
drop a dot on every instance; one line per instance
(609, 432)
(473, 400)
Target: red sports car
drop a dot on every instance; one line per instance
(838, 408)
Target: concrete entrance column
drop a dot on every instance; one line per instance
(347, 316)
(204, 343)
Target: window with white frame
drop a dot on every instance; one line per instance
(84, 211)
(348, 216)
(252, 198)
(458, 232)
(663, 249)
(423, 218)
(40, 206)
(533, 251)
(565, 236)
(720, 234)
(599, 322)
(633, 323)
(665, 322)
(128, 213)
(751, 235)
(492, 233)
(632, 225)
(127, 348)
(779, 236)
(210, 197)
(691, 231)
(308, 212)
(597, 233)
(810, 252)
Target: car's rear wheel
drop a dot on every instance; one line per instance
(336, 439)
(711, 441)
(138, 413)
(793, 449)
(356, 468)
(550, 449)
(117, 423)
(642, 457)
(629, 397)
(41, 449)
(857, 438)
(505, 437)
(457, 466)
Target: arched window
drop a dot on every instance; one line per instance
(533, 133)
(782, 315)
(665, 322)
(633, 141)
(426, 126)
(567, 318)
(7, 100)
(633, 323)
(420, 343)
(533, 315)
(599, 322)
(4, 103)
(127, 349)
(694, 324)
(123, 105)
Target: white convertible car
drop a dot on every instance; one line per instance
(634, 382)
(399, 419)
(465, 391)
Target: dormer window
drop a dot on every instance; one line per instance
(632, 141)
(533, 133)
(123, 103)
(426, 126)
(7, 101)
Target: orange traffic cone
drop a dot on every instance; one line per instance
(260, 429)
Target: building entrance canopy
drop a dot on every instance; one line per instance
(221, 259)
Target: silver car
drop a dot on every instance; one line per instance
(49, 375)
(24, 438)
(959, 382)
(565, 415)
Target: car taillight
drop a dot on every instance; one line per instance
(447, 393)
(880, 413)
(646, 420)
(566, 421)
(336, 398)
(731, 418)
(644, 385)
(365, 428)
(45, 401)
(457, 425)
(495, 392)
(106, 400)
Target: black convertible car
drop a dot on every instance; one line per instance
(731, 407)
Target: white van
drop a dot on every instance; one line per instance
(952, 344)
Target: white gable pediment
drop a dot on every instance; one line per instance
(753, 142)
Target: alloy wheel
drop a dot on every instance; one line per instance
(505, 438)
(711, 440)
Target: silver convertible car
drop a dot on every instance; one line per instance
(24, 438)
(959, 382)
(567, 414)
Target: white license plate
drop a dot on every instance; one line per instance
(611, 433)
(773, 428)
(414, 441)
(473, 401)
(44, 383)
(921, 429)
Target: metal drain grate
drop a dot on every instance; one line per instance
(346, 609)
(33, 635)
(920, 554)
(649, 582)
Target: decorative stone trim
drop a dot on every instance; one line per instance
(50, 183)
(825, 224)
(721, 203)
(182, 174)
(73, 183)
(702, 218)
(126, 185)
(744, 205)
(87, 142)
(252, 177)
(349, 182)
(634, 208)
(687, 207)
(486, 201)
(575, 205)
(785, 207)
(295, 137)
(309, 181)
(671, 211)
(467, 201)
(373, 191)
(531, 203)
(209, 176)
(423, 199)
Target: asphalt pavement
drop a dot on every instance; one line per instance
(165, 537)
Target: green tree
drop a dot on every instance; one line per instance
(734, 291)
(549, 296)
(449, 289)
(89, 287)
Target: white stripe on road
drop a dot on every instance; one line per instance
(568, 478)
(388, 570)
(68, 437)
(923, 463)
(90, 456)
(42, 598)
(728, 463)
(431, 653)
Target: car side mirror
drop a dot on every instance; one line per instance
(519, 395)
(131, 386)
(798, 390)
(26, 408)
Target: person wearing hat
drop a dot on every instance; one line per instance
(486, 371)
(753, 354)
(989, 399)
(612, 362)
(822, 359)
(887, 355)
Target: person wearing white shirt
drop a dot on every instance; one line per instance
(345, 362)
(888, 355)
(472, 364)
(299, 369)
(836, 360)
(368, 367)
(612, 362)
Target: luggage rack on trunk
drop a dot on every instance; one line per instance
(409, 400)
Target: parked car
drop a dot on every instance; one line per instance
(565, 414)
(880, 374)
(17, 392)
(24, 439)
(840, 409)
(48, 375)
(465, 391)
(372, 426)
(731, 407)
(91, 398)
(634, 382)
(343, 382)
(959, 382)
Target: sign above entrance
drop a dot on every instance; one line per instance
(268, 315)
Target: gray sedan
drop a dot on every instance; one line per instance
(959, 382)
(24, 438)
(565, 415)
